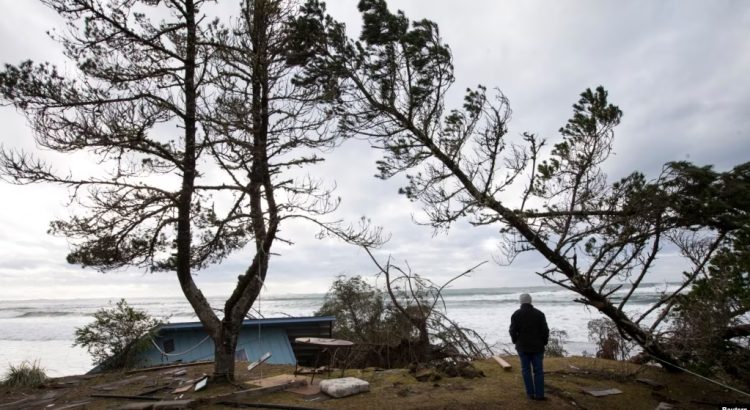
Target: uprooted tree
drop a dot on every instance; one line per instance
(596, 236)
(403, 323)
(194, 126)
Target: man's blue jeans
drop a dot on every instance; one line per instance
(535, 385)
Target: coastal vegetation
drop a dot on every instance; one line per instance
(25, 374)
(116, 336)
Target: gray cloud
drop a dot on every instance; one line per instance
(676, 68)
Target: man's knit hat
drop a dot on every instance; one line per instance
(525, 298)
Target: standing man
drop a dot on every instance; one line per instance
(529, 332)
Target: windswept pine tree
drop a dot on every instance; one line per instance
(194, 125)
(460, 163)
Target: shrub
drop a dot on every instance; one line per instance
(115, 336)
(609, 341)
(26, 374)
(556, 344)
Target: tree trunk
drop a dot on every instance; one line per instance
(224, 348)
(424, 350)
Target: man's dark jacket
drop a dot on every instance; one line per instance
(528, 329)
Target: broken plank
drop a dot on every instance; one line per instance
(17, 402)
(174, 404)
(261, 405)
(256, 392)
(169, 366)
(119, 383)
(505, 365)
(258, 362)
(123, 396)
(184, 389)
(153, 390)
(136, 406)
(79, 405)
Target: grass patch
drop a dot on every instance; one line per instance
(26, 374)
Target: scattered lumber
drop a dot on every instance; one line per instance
(169, 366)
(154, 390)
(262, 405)
(78, 405)
(505, 365)
(254, 392)
(162, 405)
(124, 396)
(117, 384)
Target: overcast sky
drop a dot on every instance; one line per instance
(677, 69)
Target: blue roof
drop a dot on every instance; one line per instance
(254, 322)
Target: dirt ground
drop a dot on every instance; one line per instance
(565, 379)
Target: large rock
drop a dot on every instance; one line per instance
(344, 387)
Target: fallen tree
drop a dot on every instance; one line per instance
(403, 323)
(596, 236)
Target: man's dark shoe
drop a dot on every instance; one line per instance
(540, 398)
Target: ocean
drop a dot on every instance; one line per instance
(43, 330)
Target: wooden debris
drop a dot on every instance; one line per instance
(183, 389)
(601, 391)
(123, 396)
(32, 402)
(275, 380)
(188, 384)
(136, 406)
(308, 389)
(63, 384)
(153, 390)
(117, 384)
(258, 362)
(254, 392)
(15, 403)
(505, 365)
(79, 405)
(162, 405)
(174, 404)
(169, 366)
